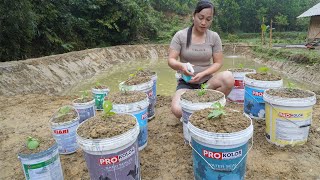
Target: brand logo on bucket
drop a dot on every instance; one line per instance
(255, 93)
(288, 115)
(150, 94)
(222, 155)
(144, 116)
(61, 131)
(238, 84)
(118, 158)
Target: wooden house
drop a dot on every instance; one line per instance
(314, 26)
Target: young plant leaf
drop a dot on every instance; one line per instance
(263, 69)
(291, 86)
(218, 111)
(84, 94)
(107, 107)
(241, 66)
(64, 110)
(202, 91)
(32, 143)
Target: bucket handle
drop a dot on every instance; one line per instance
(302, 126)
(220, 169)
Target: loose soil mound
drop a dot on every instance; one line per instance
(165, 157)
(290, 93)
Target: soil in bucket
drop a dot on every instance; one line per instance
(220, 144)
(237, 93)
(288, 115)
(144, 84)
(110, 146)
(40, 159)
(255, 85)
(85, 106)
(197, 99)
(99, 92)
(63, 125)
(154, 77)
(135, 103)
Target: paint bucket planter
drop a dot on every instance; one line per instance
(189, 107)
(237, 93)
(147, 88)
(115, 157)
(85, 110)
(151, 113)
(254, 105)
(99, 95)
(288, 119)
(140, 111)
(65, 133)
(42, 165)
(220, 155)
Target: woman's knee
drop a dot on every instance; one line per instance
(228, 79)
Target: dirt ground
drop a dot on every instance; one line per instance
(165, 157)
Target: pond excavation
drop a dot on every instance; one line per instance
(48, 83)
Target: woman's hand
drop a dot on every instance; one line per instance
(197, 78)
(184, 69)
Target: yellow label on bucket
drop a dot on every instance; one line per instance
(285, 125)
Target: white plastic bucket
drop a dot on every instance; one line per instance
(254, 105)
(65, 135)
(85, 110)
(237, 93)
(288, 120)
(151, 113)
(139, 110)
(146, 88)
(217, 155)
(112, 158)
(99, 95)
(43, 165)
(189, 107)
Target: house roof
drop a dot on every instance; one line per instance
(314, 11)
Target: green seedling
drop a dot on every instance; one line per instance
(64, 110)
(132, 75)
(85, 94)
(217, 112)
(32, 143)
(202, 91)
(291, 86)
(107, 107)
(241, 66)
(263, 69)
(140, 69)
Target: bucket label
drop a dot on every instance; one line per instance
(123, 164)
(86, 113)
(238, 84)
(142, 117)
(152, 103)
(222, 160)
(65, 137)
(99, 98)
(45, 169)
(287, 126)
(254, 104)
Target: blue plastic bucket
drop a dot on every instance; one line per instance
(254, 105)
(85, 110)
(219, 155)
(140, 111)
(65, 134)
(189, 107)
(288, 120)
(112, 158)
(99, 95)
(43, 165)
(146, 88)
